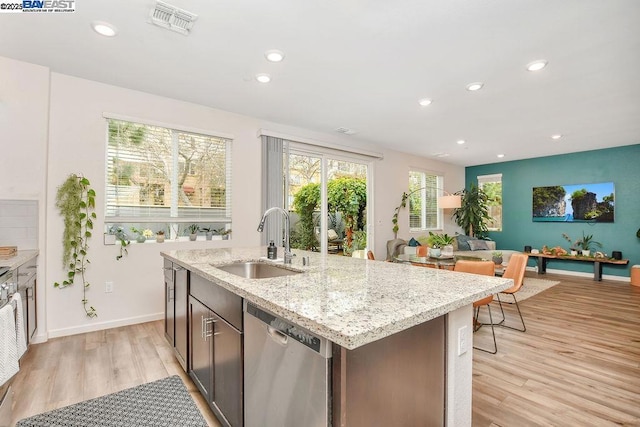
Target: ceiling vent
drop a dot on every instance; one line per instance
(346, 131)
(172, 18)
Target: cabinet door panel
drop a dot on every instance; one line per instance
(227, 385)
(200, 356)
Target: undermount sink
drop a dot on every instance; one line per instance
(256, 270)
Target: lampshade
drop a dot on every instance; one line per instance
(451, 201)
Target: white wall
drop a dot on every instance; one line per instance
(58, 125)
(24, 121)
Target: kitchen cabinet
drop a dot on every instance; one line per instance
(216, 348)
(176, 282)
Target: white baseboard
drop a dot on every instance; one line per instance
(54, 333)
(581, 274)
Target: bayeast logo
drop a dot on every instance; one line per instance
(48, 5)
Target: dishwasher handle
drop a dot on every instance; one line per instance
(281, 331)
(279, 337)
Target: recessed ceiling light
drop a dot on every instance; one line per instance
(475, 86)
(104, 28)
(500, 156)
(263, 78)
(556, 136)
(460, 141)
(537, 65)
(274, 55)
(425, 101)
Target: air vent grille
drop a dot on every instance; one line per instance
(172, 18)
(345, 130)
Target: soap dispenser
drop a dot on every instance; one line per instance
(272, 251)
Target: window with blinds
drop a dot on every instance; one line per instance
(424, 189)
(161, 175)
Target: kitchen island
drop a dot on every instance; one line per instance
(375, 314)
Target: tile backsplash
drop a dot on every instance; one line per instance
(19, 223)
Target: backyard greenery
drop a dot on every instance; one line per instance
(346, 195)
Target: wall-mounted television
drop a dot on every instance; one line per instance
(574, 203)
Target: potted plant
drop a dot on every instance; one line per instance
(122, 237)
(587, 242)
(473, 213)
(160, 236)
(359, 244)
(573, 246)
(439, 243)
(193, 231)
(208, 232)
(142, 235)
(225, 234)
(496, 257)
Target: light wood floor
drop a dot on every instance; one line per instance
(71, 369)
(577, 364)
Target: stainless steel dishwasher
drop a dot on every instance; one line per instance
(287, 373)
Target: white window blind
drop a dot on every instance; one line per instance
(424, 189)
(159, 174)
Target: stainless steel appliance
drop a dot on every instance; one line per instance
(287, 373)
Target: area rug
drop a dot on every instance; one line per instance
(530, 287)
(165, 402)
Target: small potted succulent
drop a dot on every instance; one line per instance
(193, 231)
(496, 257)
(160, 236)
(208, 232)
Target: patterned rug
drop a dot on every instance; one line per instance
(530, 287)
(165, 402)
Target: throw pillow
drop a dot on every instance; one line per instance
(413, 242)
(463, 242)
(478, 245)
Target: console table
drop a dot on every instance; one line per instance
(542, 260)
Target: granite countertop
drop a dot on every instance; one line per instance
(349, 301)
(19, 259)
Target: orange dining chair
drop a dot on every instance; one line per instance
(515, 270)
(370, 255)
(485, 268)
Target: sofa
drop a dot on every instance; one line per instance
(470, 246)
(463, 245)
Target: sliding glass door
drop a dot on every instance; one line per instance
(327, 195)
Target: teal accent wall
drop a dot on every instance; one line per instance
(620, 165)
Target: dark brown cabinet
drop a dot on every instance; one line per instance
(215, 348)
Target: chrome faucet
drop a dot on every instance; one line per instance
(287, 250)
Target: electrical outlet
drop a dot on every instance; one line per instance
(463, 340)
(108, 287)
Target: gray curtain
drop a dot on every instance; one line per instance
(272, 188)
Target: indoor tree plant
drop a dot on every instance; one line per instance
(473, 213)
(76, 201)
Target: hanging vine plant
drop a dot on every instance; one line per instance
(76, 201)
